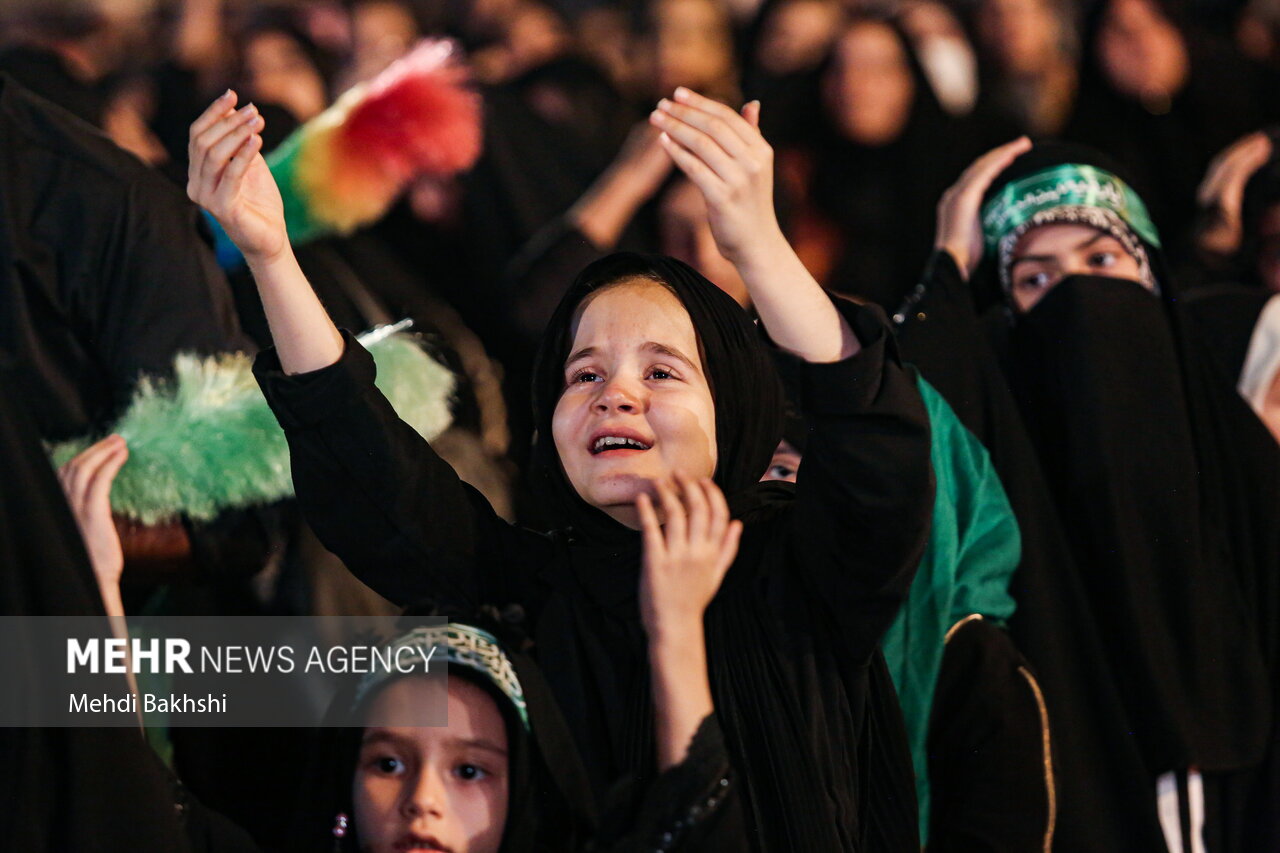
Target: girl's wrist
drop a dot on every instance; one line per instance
(763, 256)
(675, 633)
(266, 261)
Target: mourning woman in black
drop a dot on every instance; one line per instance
(649, 377)
(1164, 482)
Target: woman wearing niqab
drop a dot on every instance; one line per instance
(1145, 495)
(1166, 484)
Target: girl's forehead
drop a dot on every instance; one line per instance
(406, 707)
(632, 312)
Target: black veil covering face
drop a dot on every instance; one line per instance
(1167, 487)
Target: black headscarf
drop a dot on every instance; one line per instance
(1167, 487)
(744, 386)
(599, 641)
(883, 198)
(1166, 147)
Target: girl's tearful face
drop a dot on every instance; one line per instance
(636, 406)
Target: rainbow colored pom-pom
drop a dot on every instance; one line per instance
(345, 167)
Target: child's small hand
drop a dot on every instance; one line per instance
(229, 178)
(686, 558)
(86, 480)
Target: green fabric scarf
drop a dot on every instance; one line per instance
(973, 550)
(1066, 185)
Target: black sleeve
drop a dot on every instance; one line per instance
(990, 765)
(380, 498)
(159, 290)
(692, 806)
(864, 492)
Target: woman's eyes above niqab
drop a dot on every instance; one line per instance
(1102, 260)
(1035, 280)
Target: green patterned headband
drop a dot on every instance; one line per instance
(1068, 193)
(1073, 185)
(464, 645)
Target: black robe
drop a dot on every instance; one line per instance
(802, 695)
(884, 198)
(86, 788)
(103, 276)
(1165, 487)
(1104, 802)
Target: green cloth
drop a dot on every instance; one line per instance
(1064, 185)
(972, 552)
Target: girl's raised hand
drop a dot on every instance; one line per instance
(725, 155)
(229, 178)
(959, 226)
(86, 480)
(686, 559)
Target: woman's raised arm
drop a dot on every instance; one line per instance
(229, 178)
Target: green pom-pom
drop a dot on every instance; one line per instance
(206, 441)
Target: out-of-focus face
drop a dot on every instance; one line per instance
(1046, 255)
(869, 89)
(798, 35)
(428, 789)
(125, 31)
(604, 36)
(637, 405)
(278, 71)
(536, 35)
(691, 46)
(1140, 50)
(785, 464)
(1268, 259)
(1021, 34)
(686, 235)
(381, 32)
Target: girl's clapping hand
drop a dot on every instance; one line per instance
(686, 558)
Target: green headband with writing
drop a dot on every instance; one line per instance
(1065, 185)
(465, 646)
